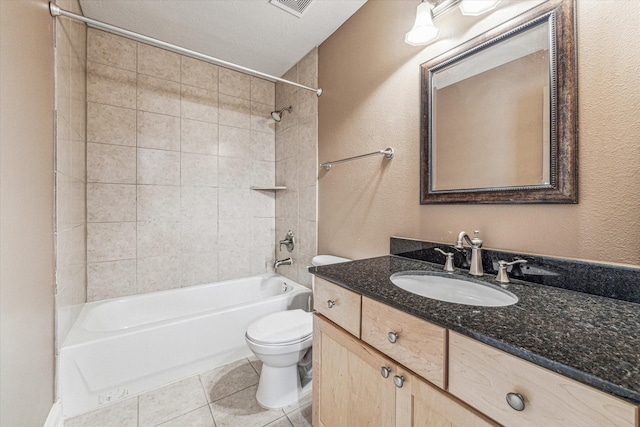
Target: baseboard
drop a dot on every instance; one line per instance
(55, 416)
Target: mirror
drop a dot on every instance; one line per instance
(499, 114)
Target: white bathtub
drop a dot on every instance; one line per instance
(124, 346)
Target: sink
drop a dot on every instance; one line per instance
(453, 289)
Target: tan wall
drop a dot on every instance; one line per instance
(26, 213)
(371, 101)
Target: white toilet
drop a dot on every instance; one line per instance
(282, 341)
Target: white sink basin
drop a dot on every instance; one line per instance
(451, 289)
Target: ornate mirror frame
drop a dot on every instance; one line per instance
(563, 186)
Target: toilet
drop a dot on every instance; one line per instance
(282, 342)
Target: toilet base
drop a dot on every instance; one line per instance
(280, 387)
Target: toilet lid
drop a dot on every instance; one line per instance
(281, 327)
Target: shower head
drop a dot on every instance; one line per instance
(277, 115)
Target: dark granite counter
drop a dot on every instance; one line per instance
(591, 339)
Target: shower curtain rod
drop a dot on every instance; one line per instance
(57, 11)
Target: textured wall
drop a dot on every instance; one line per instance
(297, 167)
(26, 213)
(174, 145)
(371, 100)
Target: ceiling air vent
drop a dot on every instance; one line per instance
(294, 7)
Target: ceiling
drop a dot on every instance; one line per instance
(251, 33)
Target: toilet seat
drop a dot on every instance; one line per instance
(282, 328)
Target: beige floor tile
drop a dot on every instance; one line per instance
(120, 414)
(242, 409)
(171, 401)
(228, 379)
(305, 401)
(280, 422)
(301, 417)
(201, 417)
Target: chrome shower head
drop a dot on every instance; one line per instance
(277, 115)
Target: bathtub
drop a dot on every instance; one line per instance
(124, 346)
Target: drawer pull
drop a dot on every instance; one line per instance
(331, 303)
(398, 381)
(516, 401)
(385, 371)
(392, 337)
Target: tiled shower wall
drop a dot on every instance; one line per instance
(297, 167)
(70, 225)
(173, 146)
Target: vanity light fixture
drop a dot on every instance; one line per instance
(424, 30)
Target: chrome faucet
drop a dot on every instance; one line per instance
(475, 268)
(278, 263)
(289, 241)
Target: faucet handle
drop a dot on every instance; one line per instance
(448, 265)
(503, 276)
(476, 242)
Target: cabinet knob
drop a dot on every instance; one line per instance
(392, 337)
(516, 401)
(398, 381)
(385, 371)
(331, 303)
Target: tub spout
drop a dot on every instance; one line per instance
(278, 263)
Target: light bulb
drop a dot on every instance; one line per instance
(423, 31)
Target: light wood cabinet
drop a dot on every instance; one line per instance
(482, 376)
(350, 389)
(338, 304)
(414, 343)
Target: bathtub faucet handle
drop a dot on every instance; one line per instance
(289, 241)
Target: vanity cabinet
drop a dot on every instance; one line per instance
(355, 385)
(338, 304)
(482, 376)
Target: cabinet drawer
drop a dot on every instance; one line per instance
(338, 304)
(420, 345)
(482, 376)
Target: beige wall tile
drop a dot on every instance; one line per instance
(289, 143)
(307, 170)
(199, 235)
(158, 96)
(287, 204)
(157, 62)
(235, 142)
(79, 159)
(109, 49)
(232, 264)
(111, 241)
(158, 131)
(234, 111)
(199, 202)
(157, 274)
(111, 125)
(263, 204)
(111, 202)
(263, 91)
(263, 231)
(199, 170)
(307, 208)
(234, 83)
(262, 259)
(287, 173)
(199, 104)
(261, 119)
(111, 279)
(263, 173)
(233, 173)
(234, 233)
(171, 401)
(158, 203)
(307, 239)
(110, 85)
(263, 146)
(199, 137)
(158, 238)
(234, 203)
(199, 74)
(113, 164)
(158, 167)
(199, 268)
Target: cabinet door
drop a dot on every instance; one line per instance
(348, 387)
(421, 404)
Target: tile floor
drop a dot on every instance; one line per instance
(222, 397)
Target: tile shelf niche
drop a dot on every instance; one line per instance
(273, 188)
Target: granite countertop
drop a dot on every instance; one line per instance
(591, 339)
